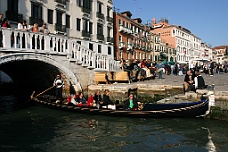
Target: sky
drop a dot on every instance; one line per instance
(207, 19)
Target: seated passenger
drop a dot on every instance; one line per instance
(81, 100)
(199, 81)
(107, 103)
(90, 101)
(98, 98)
(131, 103)
(147, 70)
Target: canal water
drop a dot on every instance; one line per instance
(34, 128)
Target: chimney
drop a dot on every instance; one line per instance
(153, 22)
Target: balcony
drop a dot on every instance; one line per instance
(110, 39)
(33, 20)
(109, 19)
(60, 28)
(124, 29)
(63, 2)
(121, 45)
(100, 37)
(100, 15)
(85, 10)
(13, 16)
(85, 34)
(129, 46)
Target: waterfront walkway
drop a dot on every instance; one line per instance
(170, 82)
(219, 80)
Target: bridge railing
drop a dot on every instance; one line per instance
(56, 44)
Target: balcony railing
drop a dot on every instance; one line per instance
(85, 10)
(121, 45)
(100, 15)
(110, 39)
(33, 20)
(63, 2)
(129, 46)
(60, 28)
(100, 37)
(13, 16)
(109, 19)
(124, 29)
(86, 34)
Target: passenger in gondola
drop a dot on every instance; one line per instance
(71, 100)
(90, 101)
(81, 100)
(107, 102)
(98, 98)
(131, 103)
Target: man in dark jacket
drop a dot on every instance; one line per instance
(131, 103)
(199, 81)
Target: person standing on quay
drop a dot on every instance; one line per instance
(159, 67)
(59, 84)
(211, 68)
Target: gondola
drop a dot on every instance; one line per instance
(149, 110)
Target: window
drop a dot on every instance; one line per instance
(120, 38)
(99, 7)
(79, 3)
(91, 46)
(87, 4)
(68, 21)
(99, 29)
(85, 25)
(12, 6)
(120, 22)
(109, 50)
(36, 11)
(59, 17)
(99, 48)
(78, 24)
(108, 11)
(108, 32)
(90, 28)
(50, 16)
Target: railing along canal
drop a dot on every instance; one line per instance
(59, 45)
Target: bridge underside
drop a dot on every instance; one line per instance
(29, 75)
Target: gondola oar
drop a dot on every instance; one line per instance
(45, 90)
(31, 97)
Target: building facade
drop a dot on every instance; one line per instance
(220, 54)
(206, 51)
(132, 39)
(89, 21)
(186, 44)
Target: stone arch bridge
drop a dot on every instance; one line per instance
(32, 60)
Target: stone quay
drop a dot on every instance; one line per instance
(169, 86)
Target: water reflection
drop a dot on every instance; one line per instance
(36, 128)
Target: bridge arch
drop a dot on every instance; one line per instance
(19, 60)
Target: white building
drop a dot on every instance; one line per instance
(206, 51)
(89, 21)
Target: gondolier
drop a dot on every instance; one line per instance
(59, 84)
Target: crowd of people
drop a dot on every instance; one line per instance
(22, 25)
(94, 100)
(101, 101)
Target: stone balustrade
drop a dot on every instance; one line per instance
(14, 39)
